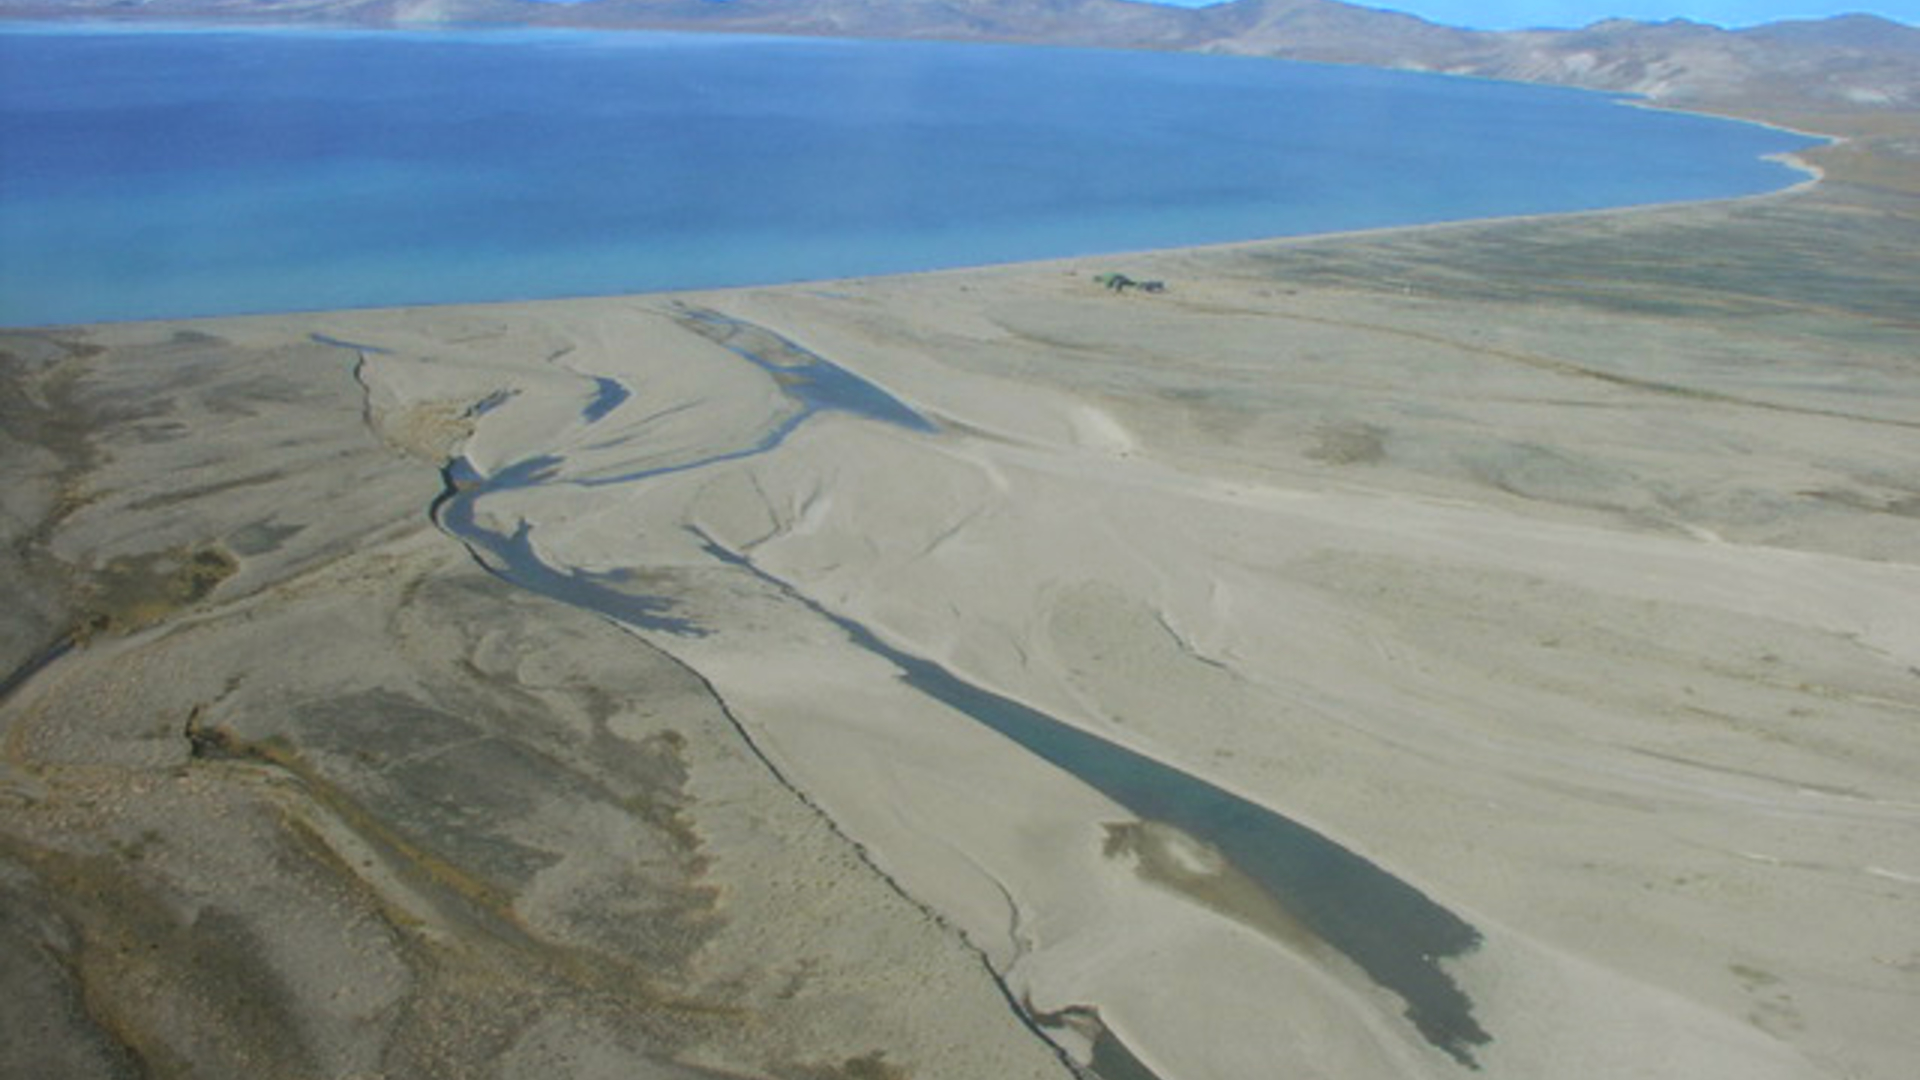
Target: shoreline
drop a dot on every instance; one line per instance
(809, 543)
(1815, 175)
(1343, 554)
(1559, 565)
(1790, 159)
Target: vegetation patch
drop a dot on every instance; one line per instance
(134, 591)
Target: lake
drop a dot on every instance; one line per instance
(148, 173)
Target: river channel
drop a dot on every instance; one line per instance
(1388, 929)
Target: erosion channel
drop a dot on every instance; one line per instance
(1387, 928)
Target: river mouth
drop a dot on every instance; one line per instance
(1390, 930)
(1220, 850)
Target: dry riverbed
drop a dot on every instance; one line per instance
(1565, 569)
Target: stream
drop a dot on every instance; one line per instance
(1391, 931)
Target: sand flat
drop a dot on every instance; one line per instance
(1562, 568)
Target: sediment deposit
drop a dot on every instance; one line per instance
(1562, 569)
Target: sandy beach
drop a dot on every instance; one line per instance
(1562, 570)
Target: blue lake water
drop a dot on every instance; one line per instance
(147, 173)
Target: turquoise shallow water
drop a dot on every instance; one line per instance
(152, 173)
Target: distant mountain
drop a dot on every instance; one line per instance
(1325, 30)
(1855, 61)
(1082, 22)
(1865, 33)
